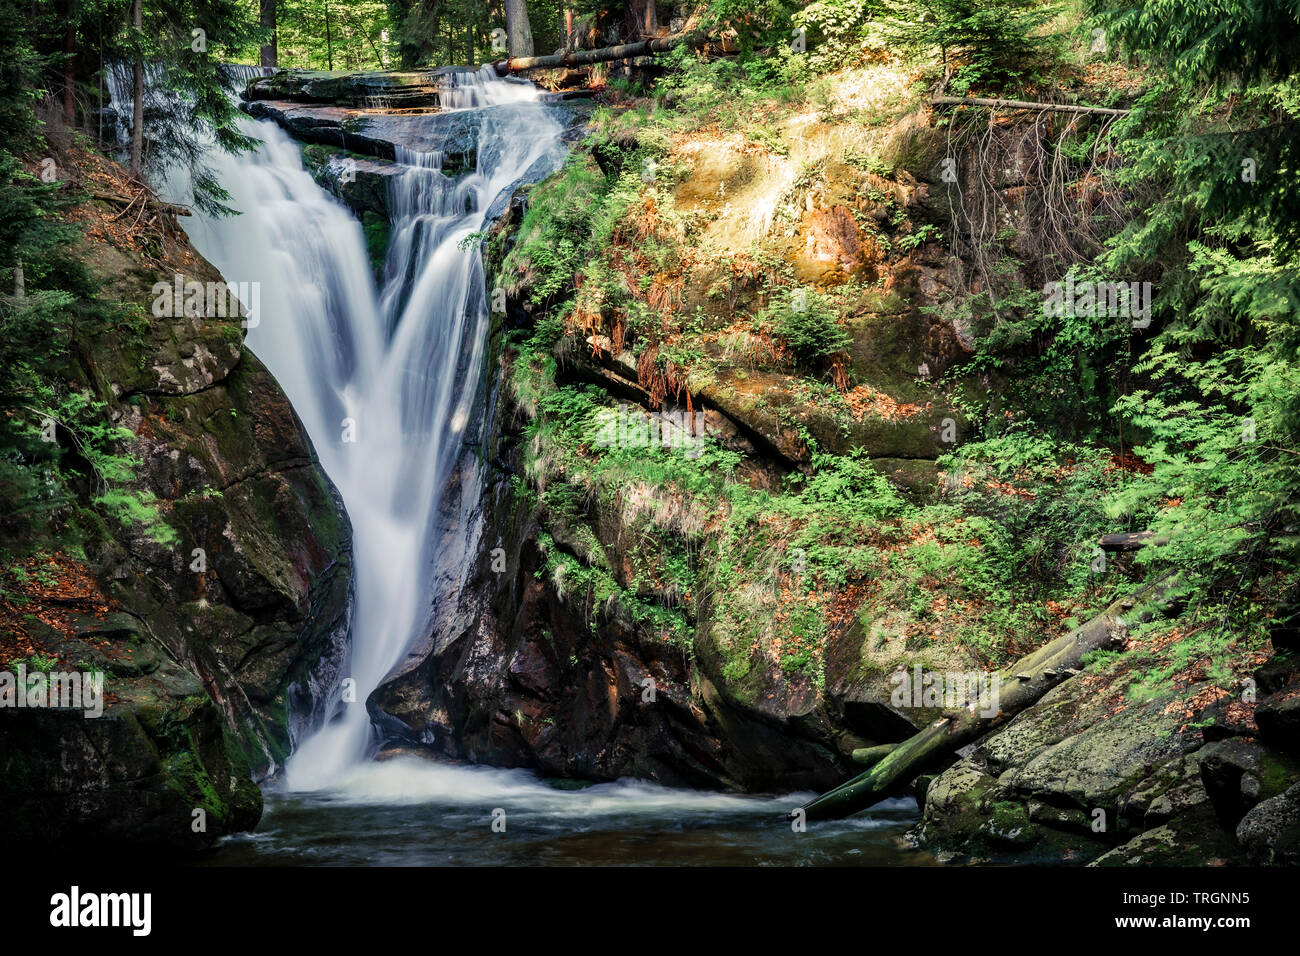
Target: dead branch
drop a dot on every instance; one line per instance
(1023, 105)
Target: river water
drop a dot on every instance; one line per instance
(409, 812)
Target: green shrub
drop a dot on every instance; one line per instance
(809, 324)
(980, 42)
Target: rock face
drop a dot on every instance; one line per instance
(528, 674)
(522, 679)
(375, 134)
(210, 636)
(154, 771)
(1080, 778)
(419, 88)
(1271, 831)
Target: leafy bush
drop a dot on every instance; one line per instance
(809, 324)
(980, 42)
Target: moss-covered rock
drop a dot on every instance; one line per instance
(1120, 787)
(1270, 832)
(209, 615)
(155, 771)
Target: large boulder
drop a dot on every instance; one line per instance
(1270, 832)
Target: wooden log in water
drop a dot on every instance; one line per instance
(869, 756)
(1019, 686)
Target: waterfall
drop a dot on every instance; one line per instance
(385, 379)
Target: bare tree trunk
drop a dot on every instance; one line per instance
(270, 51)
(634, 16)
(70, 67)
(569, 42)
(137, 105)
(651, 18)
(329, 39)
(519, 34)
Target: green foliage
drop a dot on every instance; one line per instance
(985, 43)
(326, 34)
(1217, 403)
(836, 29)
(569, 216)
(19, 72)
(809, 323)
(36, 663)
(1228, 44)
(57, 447)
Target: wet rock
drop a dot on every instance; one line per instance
(1270, 832)
(1278, 717)
(525, 681)
(374, 89)
(153, 773)
(1238, 774)
(372, 133)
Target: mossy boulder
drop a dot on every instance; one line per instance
(1270, 832)
(156, 771)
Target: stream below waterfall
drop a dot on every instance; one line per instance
(410, 812)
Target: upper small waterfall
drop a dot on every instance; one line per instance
(385, 379)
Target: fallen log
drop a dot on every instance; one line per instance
(869, 756)
(156, 204)
(1131, 540)
(1018, 687)
(1024, 105)
(623, 51)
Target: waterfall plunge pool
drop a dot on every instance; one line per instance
(407, 811)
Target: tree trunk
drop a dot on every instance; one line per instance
(519, 34)
(569, 42)
(70, 67)
(137, 104)
(651, 18)
(870, 756)
(329, 39)
(1020, 686)
(634, 16)
(604, 54)
(270, 51)
(1131, 540)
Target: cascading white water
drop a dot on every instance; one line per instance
(385, 380)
